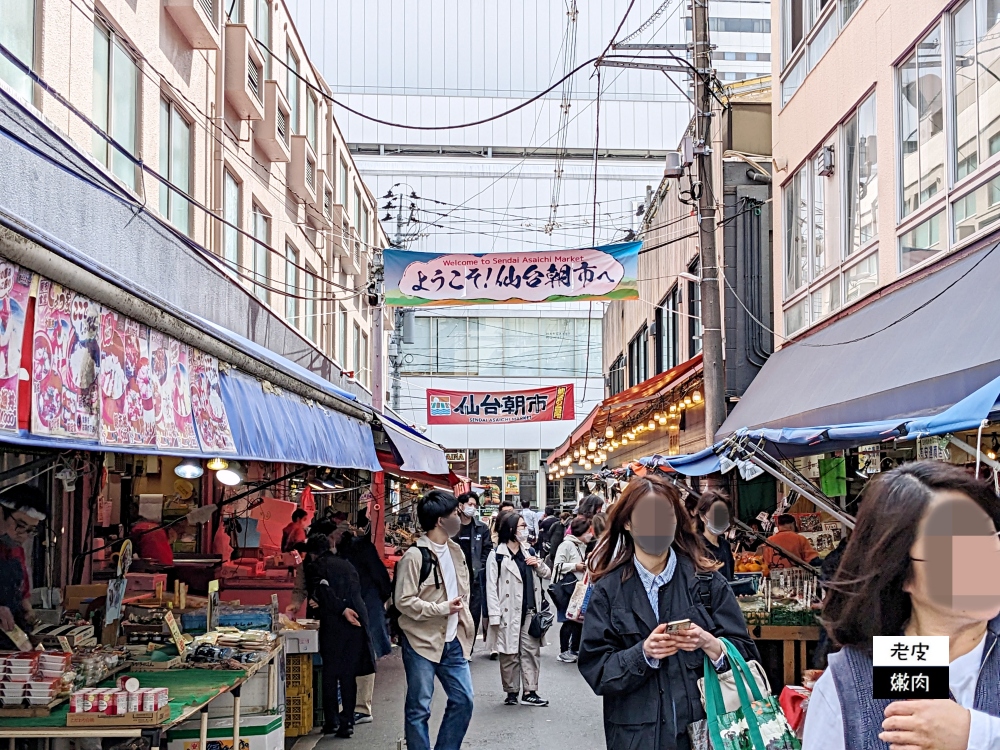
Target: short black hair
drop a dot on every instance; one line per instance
(24, 498)
(467, 496)
(591, 505)
(323, 526)
(507, 531)
(579, 526)
(317, 543)
(525, 503)
(298, 514)
(550, 510)
(506, 504)
(433, 506)
(787, 519)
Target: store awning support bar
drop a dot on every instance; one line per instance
(962, 445)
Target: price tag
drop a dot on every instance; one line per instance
(211, 611)
(175, 632)
(64, 645)
(910, 666)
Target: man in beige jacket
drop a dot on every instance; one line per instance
(432, 597)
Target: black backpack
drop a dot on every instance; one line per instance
(428, 564)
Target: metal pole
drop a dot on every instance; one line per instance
(711, 312)
(378, 336)
(818, 501)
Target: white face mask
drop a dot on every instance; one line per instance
(469, 510)
(522, 535)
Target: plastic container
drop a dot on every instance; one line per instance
(298, 715)
(298, 674)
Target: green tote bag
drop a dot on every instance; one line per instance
(758, 723)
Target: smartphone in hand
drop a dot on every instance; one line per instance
(678, 625)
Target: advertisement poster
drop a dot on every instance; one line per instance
(128, 409)
(15, 286)
(491, 491)
(608, 272)
(507, 407)
(512, 484)
(169, 359)
(206, 401)
(64, 364)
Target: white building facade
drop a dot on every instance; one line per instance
(492, 187)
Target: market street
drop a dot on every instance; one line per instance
(572, 720)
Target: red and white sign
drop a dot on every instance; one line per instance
(506, 407)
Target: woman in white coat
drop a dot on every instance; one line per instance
(514, 592)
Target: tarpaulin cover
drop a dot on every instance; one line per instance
(417, 452)
(274, 425)
(913, 350)
(445, 481)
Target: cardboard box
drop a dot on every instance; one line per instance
(136, 719)
(155, 666)
(77, 597)
(141, 582)
(301, 641)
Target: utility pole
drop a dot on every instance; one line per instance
(711, 312)
(378, 328)
(395, 360)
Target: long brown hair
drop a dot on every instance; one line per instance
(617, 547)
(866, 596)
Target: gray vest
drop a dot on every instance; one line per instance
(863, 716)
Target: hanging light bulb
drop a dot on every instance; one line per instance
(611, 448)
(562, 473)
(232, 475)
(625, 440)
(657, 416)
(592, 445)
(576, 453)
(651, 425)
(189, 468)
(609, 432)
(662, 420)
(673, 408)
(687, 401)
(215, 464)
(569, 469)
(681, 405)
(696, 397)
(587, 466)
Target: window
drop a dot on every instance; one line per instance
(921, 103)
(694, 312)
(234, 10)
(262, 30)
(792, 80)
(292, 89)
(637, 357)
(668, 330)
(797, 18)
(861, 164)
(17, 34)
(231, 213)
(342, 341)
(861, 278)
(357, 352)
(821, 258)
(327, 203)
(616, 376)
(735, 25)
(175, 166)
(847, 8)
(357, 209)
(115, 104)
(977, 65)
(291, 285)
(365, 224)
(822, 40)
(311, 122)
(365, 367)
(922, 242)
(796, 232)
(262, 235)
(826, 300)
(309, 304)
(977, 210)
(796, 317)
(343, 185)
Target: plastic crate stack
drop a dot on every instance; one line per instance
(298, 694)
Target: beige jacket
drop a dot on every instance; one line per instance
(570, 552)
(504, 594)
(423, 609)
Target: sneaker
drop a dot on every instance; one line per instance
(328, 729)
(345, 733)
(533, 699)
(362, 719)
(494, 656)
(511, 699)
(567, 657)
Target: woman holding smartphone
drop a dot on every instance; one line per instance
(650, 569)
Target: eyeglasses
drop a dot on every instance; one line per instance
(20, 527)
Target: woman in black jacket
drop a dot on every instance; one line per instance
(648, 678)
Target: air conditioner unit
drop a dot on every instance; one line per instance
(824, 161)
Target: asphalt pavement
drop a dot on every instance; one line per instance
(572, 719)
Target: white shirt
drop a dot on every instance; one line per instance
(531, 518)
(824, 729)
(443, 553)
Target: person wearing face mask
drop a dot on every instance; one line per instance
(22, 511)
(437, 631)
(916, 564)
(712, 514)
(651, 568)
(571, 560)
(476, 543)
(514, 591)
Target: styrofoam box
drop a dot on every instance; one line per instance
(259, 732)
(253, 697)
(301, 641)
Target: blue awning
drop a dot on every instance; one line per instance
(274, 425)
(416, 453)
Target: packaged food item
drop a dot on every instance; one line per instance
(117, 703)
(162, 697)
(148, 699)
(128, 684)
(133, 701)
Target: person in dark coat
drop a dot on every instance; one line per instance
(556, 536)
(376, 589)
(344, 642)
(648, 677)
(712, 516)
(476, 542)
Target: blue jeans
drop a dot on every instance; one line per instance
(456, 677)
